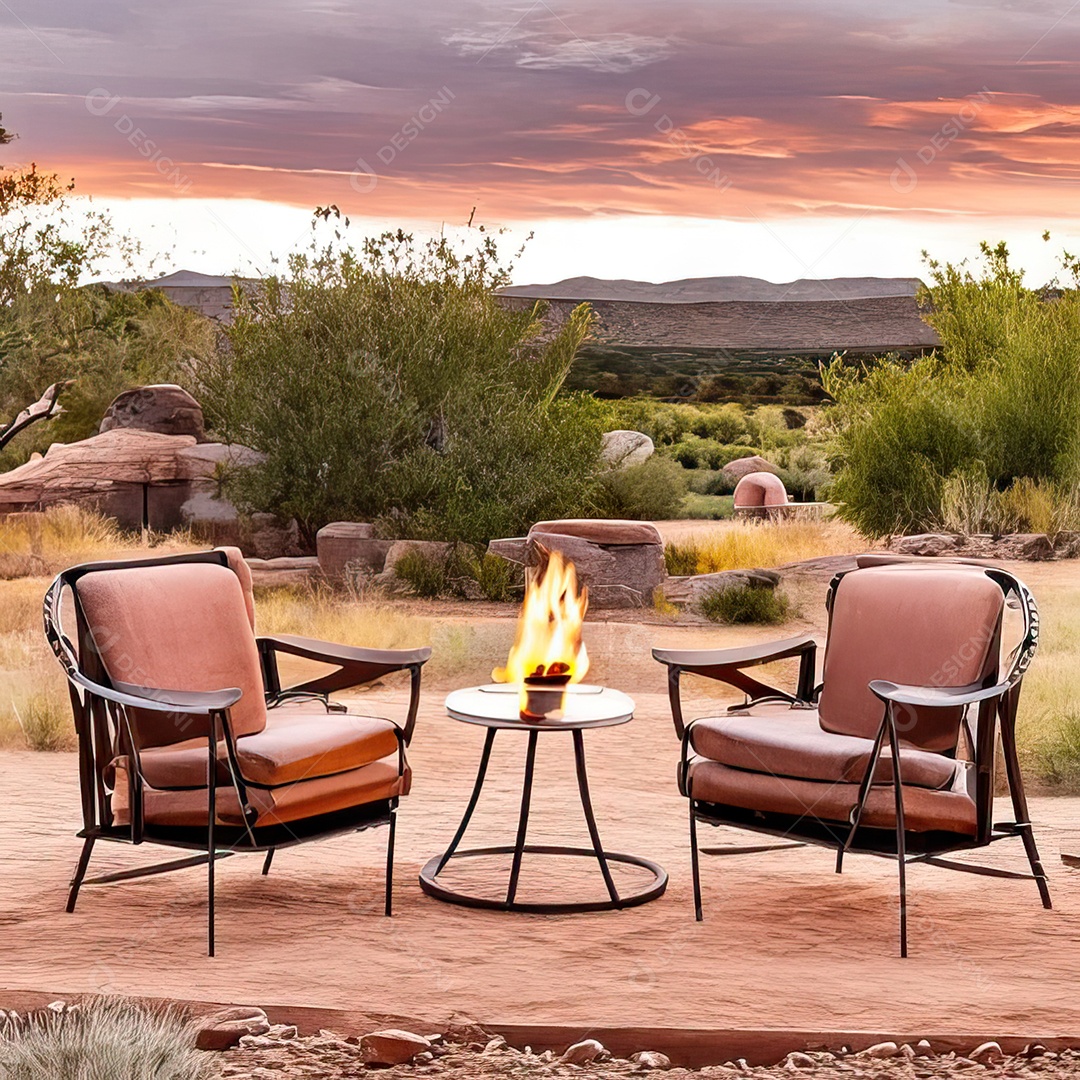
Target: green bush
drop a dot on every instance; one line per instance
(911, 443)
(708, 507)
(427, 576)
(651, 491)
(391, 385)
(497, 578)
(695, 452)
(745, 604)
(102, 1040)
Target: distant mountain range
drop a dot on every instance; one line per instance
(718, 290)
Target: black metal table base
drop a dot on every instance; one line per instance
(430, 873)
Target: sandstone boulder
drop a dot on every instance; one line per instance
(741, 467)
(621, 449)
(137, 477)
(226, 1027)
(621, 562)
(930, 544)
(165, 409)
(348, 546)
(692, 590)
(392, 1047)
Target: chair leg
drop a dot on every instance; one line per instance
(211, 846)
(1020, 811)
(901, 847)
(840, 860)
(390, 862)
(80, 873)
(695, 864)
(267, 861)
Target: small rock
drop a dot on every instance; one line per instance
(424, 1057)
(651, 1059)
(882, 1050)
(798, 1060)
(1033, 1050)
(57, 1006)
(282, 1032)
(989, 1053)
(256, 1042)
(547, 1056)
(498, 1043)
(741, 1065)
(923, 1049)
(226, 1027)
(582, 1053)
(907, 1051)
(392, 1047)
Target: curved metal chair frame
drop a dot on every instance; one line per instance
(996, 712)
(103, 722)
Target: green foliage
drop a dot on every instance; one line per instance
(105, 341)
(901, 432)
(102, 1040)
(719, 507)
(681, 560)
(651, 491)
(497, 578)
(413, 397)
(427, 576)
(1057, 753)
(745, 604)
(912, 443)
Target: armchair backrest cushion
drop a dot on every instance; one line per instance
(182, 626)
(914, 624)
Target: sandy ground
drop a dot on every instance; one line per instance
(786, 942)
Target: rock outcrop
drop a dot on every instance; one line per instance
(621, 562)
(164, 408)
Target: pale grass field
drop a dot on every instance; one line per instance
(708, 547)
(35, 711)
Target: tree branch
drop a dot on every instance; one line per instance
(42, 409)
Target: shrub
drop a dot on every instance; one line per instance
(651, 491)
(498, 579)
(724, 425)
(708, 507)
(1003, 398)
(428, 577)
(414, 398)
(102, 1040)
(745, 604)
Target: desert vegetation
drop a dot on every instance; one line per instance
(982, 437)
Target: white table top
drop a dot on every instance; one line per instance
(497, 705)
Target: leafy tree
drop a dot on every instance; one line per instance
(390, 384)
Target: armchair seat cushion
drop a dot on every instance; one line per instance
(374, 782)
(777, 740)
(297, 743)
(924, 810)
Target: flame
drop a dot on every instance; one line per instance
(548, 640)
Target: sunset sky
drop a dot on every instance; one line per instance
(650, 140)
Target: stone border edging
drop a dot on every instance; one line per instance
(687, 1047)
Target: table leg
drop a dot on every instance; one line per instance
(586, 803)
(485, 757)
(523, 818)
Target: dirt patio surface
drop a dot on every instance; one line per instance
(786, 943)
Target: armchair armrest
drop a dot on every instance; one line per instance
(355, 667)
(197, 703)
(702, 661)
(726, 666)
(935, 697)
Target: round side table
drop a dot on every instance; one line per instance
(496, 709)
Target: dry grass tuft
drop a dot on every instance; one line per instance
(43, 544)
(742, 545)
